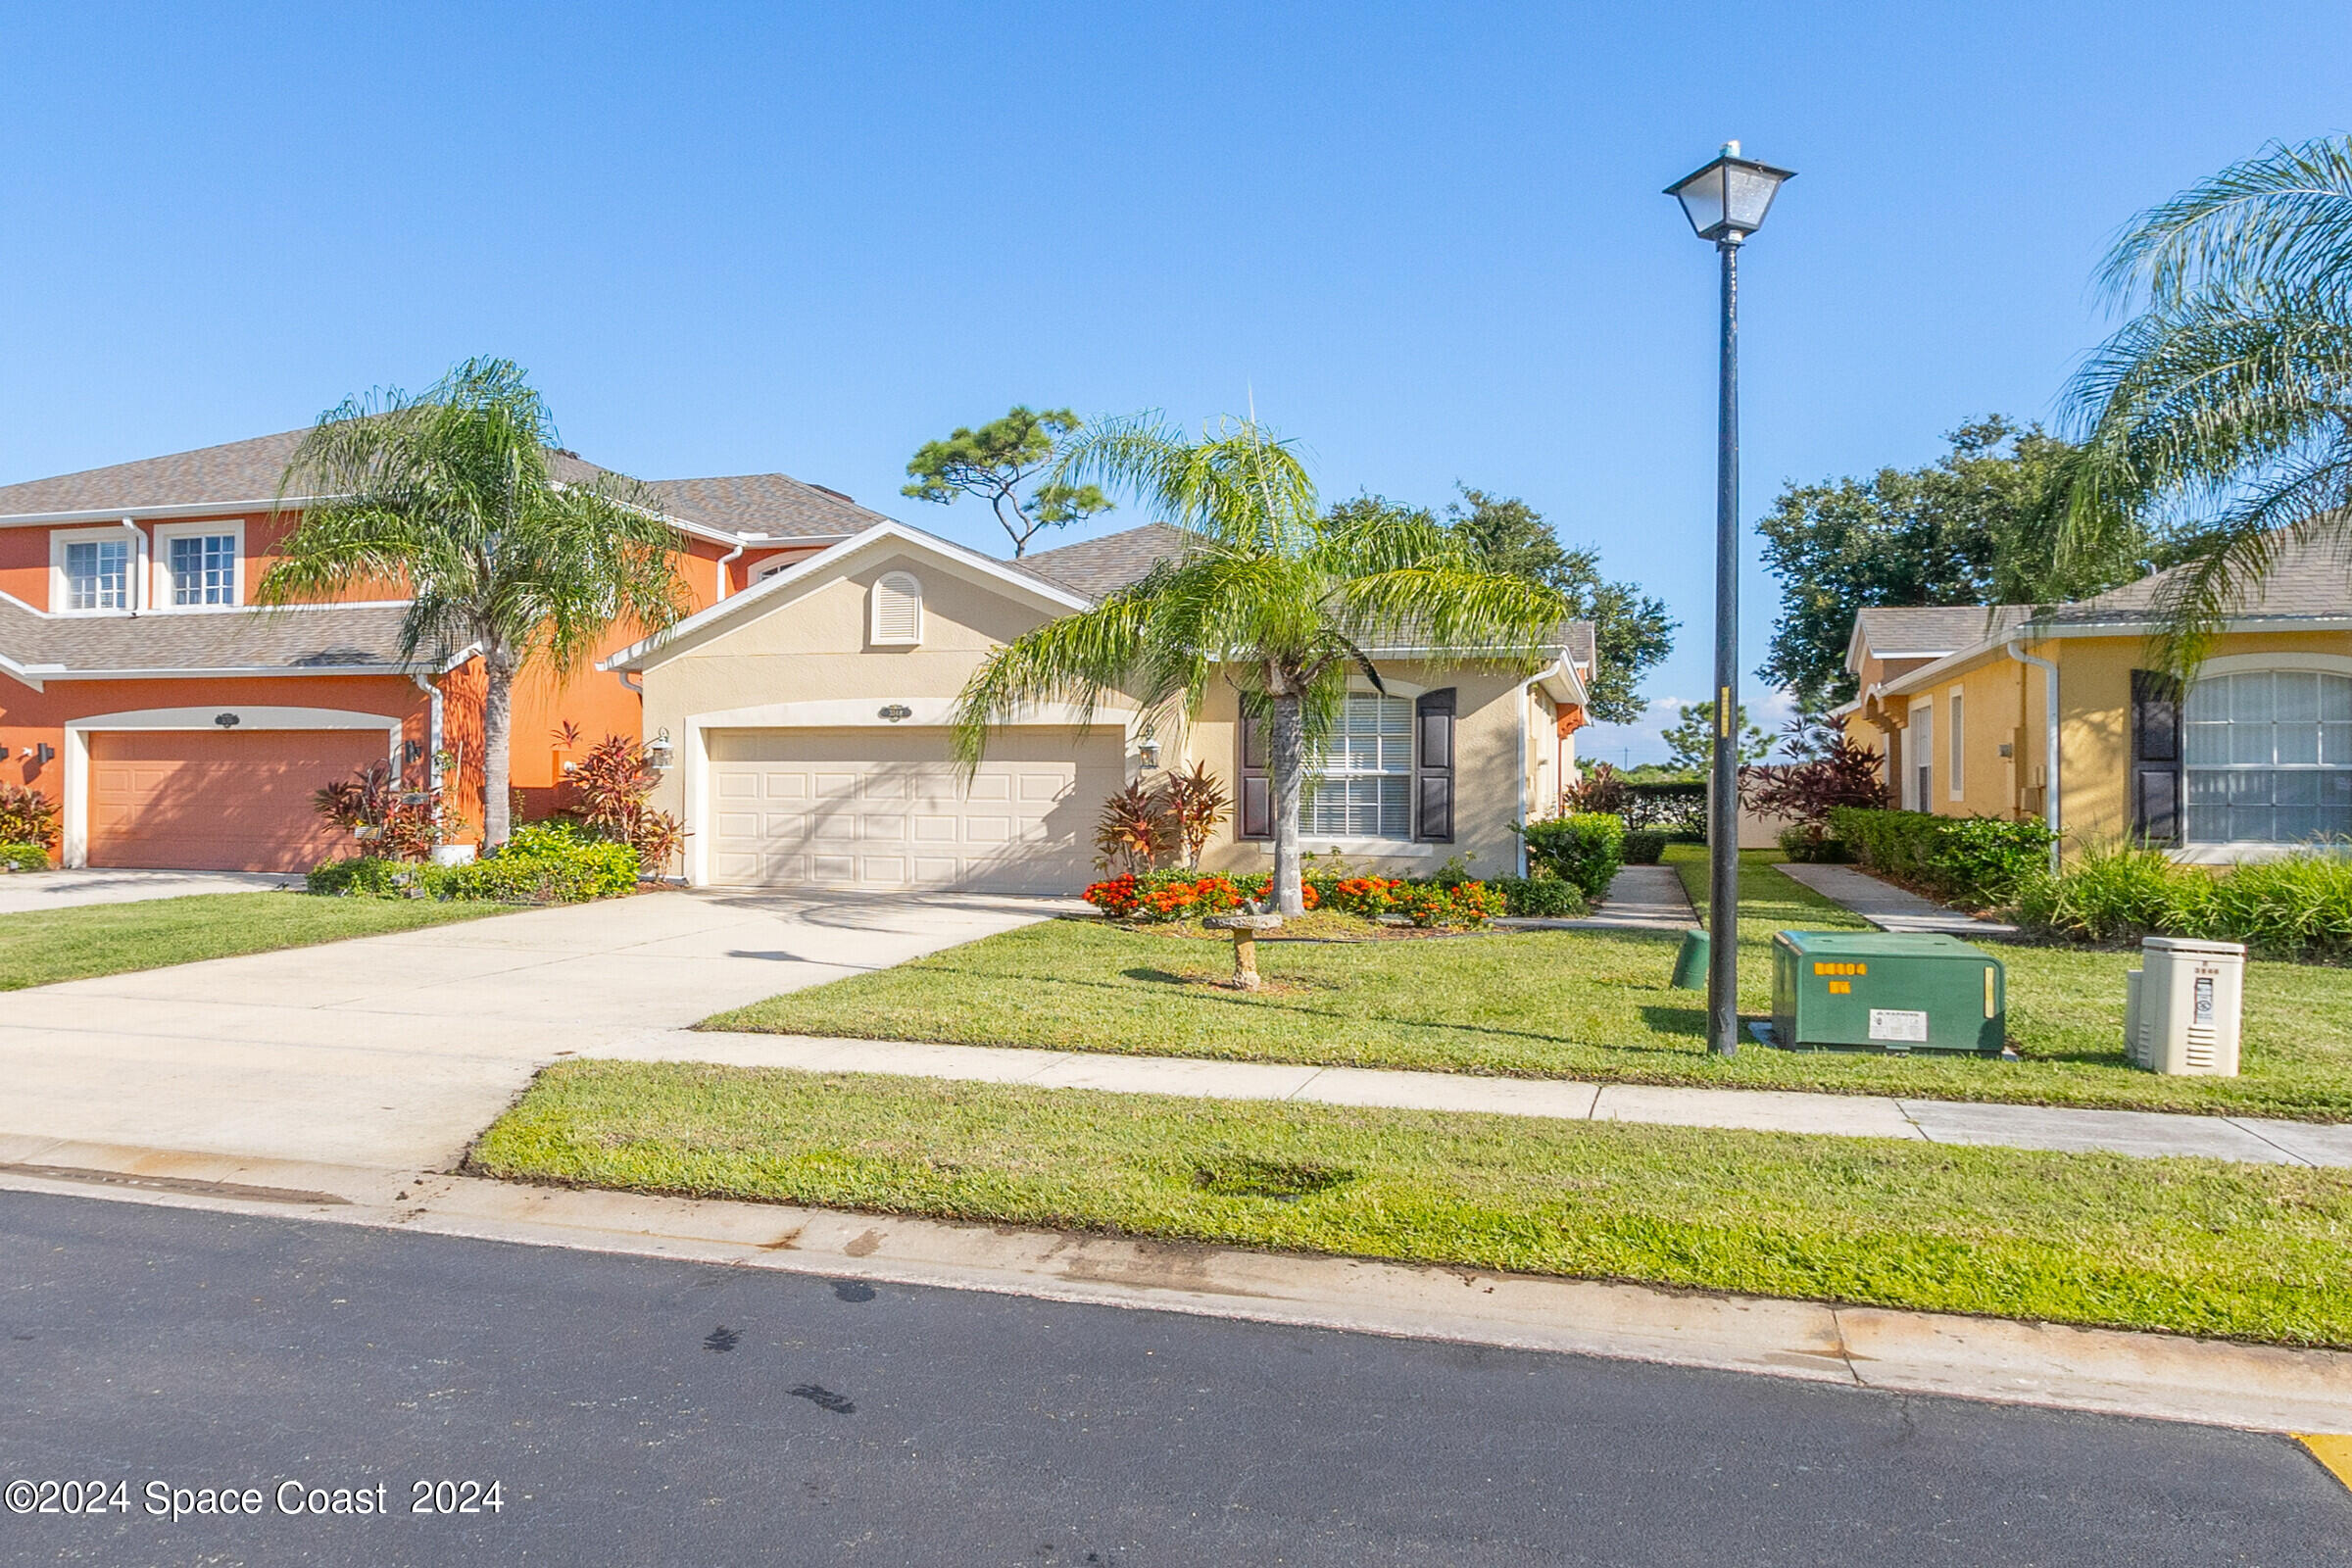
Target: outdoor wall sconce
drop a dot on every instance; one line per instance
(658, 752)
(897, 712)
(1148, 749)
(41, 752)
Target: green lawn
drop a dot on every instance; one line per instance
(45, 946)
(1590, 1004)
(2197, 1247)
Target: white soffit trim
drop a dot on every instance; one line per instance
(830, 560)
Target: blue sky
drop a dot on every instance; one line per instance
(1428, 240)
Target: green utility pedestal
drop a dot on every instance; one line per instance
(1691, 963)
(1887, 991)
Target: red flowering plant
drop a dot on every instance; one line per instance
(1426, 904)
(1367, 895)
(1115, 898)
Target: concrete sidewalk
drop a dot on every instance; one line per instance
(1641, 898)
(2143, 1134)
(2163, 1376)
(1888, 907)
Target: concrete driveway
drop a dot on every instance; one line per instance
(395, 1050)
(23, 891)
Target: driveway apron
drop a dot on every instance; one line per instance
(395, 1050)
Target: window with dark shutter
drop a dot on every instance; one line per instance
(1433, 771)
(1257, 789)
(2155, 758)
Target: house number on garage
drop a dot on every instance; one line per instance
(898, 711)
(225, 721)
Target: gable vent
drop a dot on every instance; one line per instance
(898, 599)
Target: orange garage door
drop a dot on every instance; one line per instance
(214, 801)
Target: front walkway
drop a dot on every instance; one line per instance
(2145, 1134)
(1888, 907)
(1641, 898)
(22, 892)
(397, 1051)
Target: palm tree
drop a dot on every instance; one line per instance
(450, 493)
(2227, 402)
(1278, 600)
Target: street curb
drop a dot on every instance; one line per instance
(2163, 1377)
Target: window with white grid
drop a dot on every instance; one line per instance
(204, 569)
(97, 574)
(1364, 790)
(2270, 758)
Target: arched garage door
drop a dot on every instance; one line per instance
(217, 800)
(889, 809)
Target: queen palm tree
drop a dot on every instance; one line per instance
(2224, 405)
(1268, 593)
(450, 493)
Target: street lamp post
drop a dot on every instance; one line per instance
(1726, 201)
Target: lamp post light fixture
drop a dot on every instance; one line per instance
(1726, 201)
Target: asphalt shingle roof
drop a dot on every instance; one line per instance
(2313, 578)
(1897, 631)
(242, 472)
(1097, 567)
(336, 636)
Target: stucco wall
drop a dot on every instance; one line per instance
(2003, 703)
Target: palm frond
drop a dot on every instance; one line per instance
(2282, 217)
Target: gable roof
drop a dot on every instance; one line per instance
(830, 561)
(1098, 566)
(1922, 631)
(2309, 579)
(245, 474)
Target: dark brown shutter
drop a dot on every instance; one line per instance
(1257, 790)
(1432, 772)
(2155, 758)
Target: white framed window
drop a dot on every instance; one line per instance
(199, 565)
(1364, 789)
(90, 570)
(2269, 756)
(1919, 756)
(896, 603)
(1955, 754)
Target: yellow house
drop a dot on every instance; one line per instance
(806, 720)
(2011, 711)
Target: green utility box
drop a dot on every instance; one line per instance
(1887, 991)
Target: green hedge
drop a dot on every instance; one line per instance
(543, 863)
(1582, 849)
(24, 857)
(1977, 861)
(1539, 897)
(1642, 846)
(2300, 906)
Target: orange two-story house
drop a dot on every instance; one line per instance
(177, 725)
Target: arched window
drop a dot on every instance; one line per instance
(898, 610)
(2270, 756)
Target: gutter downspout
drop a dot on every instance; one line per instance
(633, 681)
(2015, 648)
(741, 544)
(139, 564)
(1526, 738)
(432, 730)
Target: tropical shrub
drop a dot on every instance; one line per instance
(1426, 904)
(1601, 789)
(1193, 805)
(543, 863)
(1132, 834)
(1368, 896)
(1642, 846)
(1539, 897)
(1836, 773)
(1584, 849)
(24, 856)
(610, 786)
(1977, 860)
(367, 876)
(26, 815)
(394, 823)
(2300, 905)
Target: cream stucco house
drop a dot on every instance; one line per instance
(2013, 710)
(806, 724)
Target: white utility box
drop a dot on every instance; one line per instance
(2181, 1007)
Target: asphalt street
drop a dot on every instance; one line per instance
(646, 1412)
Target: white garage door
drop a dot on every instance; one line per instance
(887, 808)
